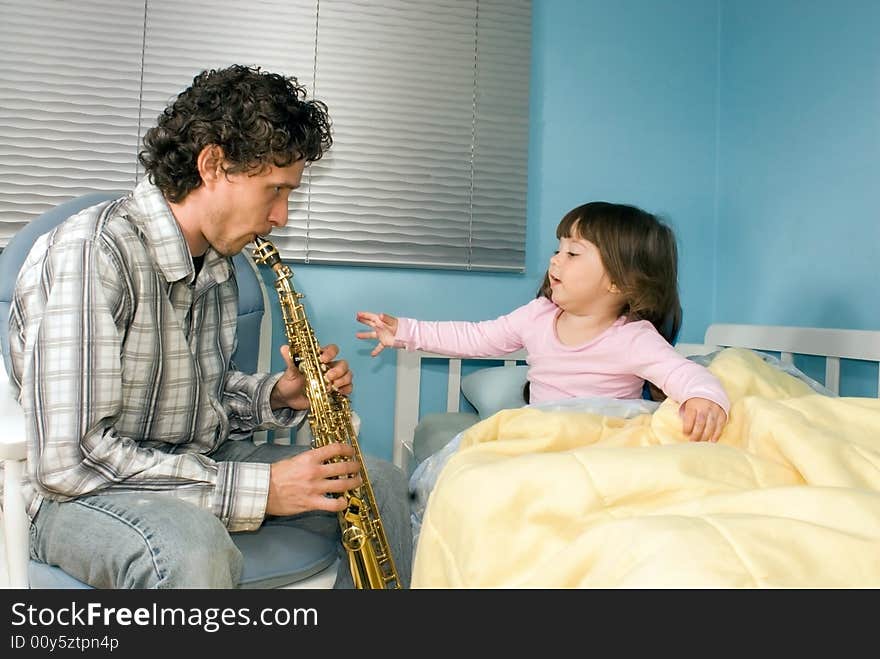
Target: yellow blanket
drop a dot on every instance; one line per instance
(789, 497)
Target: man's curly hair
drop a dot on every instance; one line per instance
(258, 119)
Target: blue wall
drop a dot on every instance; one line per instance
(799, 219)
(799, 166)
(624, 110)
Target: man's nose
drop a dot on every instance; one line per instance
(278, 213)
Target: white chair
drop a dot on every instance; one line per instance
(274, 556)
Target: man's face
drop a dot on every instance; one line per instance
(248, 204)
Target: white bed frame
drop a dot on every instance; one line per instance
(833, 344)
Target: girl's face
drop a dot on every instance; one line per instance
(578, 280)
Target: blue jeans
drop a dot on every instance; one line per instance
(152, 540)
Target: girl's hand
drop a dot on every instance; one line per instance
(384, 328)
(703, 419)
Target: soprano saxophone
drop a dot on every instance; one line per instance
(363, 535)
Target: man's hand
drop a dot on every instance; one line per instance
(290, 389)
(298, 484)
(384, 328)
(703, 420)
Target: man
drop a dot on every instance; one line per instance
(122, 328)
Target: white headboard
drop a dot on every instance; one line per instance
(833, 344)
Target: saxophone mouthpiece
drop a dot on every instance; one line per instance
(265, 252)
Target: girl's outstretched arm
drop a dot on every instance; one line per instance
(459, 338)
(383, 328)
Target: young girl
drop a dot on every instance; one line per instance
(595, 327)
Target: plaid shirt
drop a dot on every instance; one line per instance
(123, 364)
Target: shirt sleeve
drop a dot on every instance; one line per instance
(680, 378)
(246, 400)
(71, 393)
(488, 338)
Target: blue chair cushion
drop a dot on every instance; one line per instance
(42, 576)
(277, 555)
(274, 556)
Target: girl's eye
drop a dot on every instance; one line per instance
(555, 252)
(572, 254)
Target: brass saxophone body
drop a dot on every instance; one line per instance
(363, 535)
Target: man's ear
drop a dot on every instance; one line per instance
(210, 163)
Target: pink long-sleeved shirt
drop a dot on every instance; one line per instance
(614, 364)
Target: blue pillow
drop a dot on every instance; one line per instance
(496, 388)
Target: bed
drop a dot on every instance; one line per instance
(789, 498)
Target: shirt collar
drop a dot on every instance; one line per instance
(149, 211)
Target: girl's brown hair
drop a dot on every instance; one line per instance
(640, 256)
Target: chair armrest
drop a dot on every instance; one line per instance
(13, 444)
(13, 452)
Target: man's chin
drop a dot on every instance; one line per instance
(230, 250)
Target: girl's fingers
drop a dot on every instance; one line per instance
(719, 426)
(698, 432)
(687, 421)
(367, 318)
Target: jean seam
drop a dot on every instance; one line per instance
(112, 513)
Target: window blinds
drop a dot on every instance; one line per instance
(69, 99)
(429, 103)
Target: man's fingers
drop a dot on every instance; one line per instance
(337, 370)
(342, 384)
(332, 450)
(292, 371)
(343, 484)
(329, 352)
(330, 504)
(341, 468)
